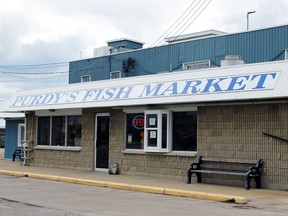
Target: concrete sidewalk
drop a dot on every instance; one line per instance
(144, 184)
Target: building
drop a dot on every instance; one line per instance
(158, 123)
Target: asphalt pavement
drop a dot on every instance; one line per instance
(148, 184)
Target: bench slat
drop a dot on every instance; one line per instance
(219, 172)
(224, 160)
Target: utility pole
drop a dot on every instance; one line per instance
(247, 16)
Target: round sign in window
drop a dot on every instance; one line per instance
(138, 122)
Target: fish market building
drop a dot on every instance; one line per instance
(157, 124)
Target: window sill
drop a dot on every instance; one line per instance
(57, 148)
(173, 153)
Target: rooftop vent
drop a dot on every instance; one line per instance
(230, 60)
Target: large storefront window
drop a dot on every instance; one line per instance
(43, 132)
(59, 130)
(160, 133)
(74, 130)
(184, 131)
(135, 131)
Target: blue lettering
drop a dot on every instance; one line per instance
(36, 99)
(47, 99)
(154, 91)
(262, 79)
(110, 93)
(17, 100)
(89, 93)
(172, 88)
(126, 93)
(72, 96)
(26, 102)
(213, 83)
(193, 85)
(237, 82)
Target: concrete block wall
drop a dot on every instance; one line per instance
(79, 160)
(237, 132)
(144, 164)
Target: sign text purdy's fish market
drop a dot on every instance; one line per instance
(220, 85)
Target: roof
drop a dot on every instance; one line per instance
(260, 81)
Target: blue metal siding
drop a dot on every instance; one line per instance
(11, 137)
(253, 46)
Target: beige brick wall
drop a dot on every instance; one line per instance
(237, 132)
(234, 131)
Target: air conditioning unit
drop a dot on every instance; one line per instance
(115, 74)
(196, 65)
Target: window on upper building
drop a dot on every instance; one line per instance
(115, 74)
(86, 78)
(196, 65)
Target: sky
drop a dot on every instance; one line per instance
(39, 37)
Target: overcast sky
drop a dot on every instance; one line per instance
(56, 31)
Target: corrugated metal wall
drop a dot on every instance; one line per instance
(253, 46)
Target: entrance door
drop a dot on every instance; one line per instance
(102, 141)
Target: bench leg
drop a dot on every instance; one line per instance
(258, 181)
(247, 182)
(189, 176)
(199, 177)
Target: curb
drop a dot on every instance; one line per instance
(130, 187)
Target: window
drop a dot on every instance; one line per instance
(185, 131)
(43, 131)
(156, 132)
(59, 130)
(86, 78)
(162, 131)
(74, 130)
(115, 75)
(196, 65)
(21, 134)
(135, 131)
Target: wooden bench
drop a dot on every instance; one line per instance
(17, 153)
(247, 168)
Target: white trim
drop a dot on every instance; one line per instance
(286, 54)
(57, 148)
(173, 153)
(19, 139)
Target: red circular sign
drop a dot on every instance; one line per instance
(138, 122)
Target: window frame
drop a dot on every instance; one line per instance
(157, 131)
(49, 142)
(171, 110)
(85, 78)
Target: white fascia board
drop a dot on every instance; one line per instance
(243, 82)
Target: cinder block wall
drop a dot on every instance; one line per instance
(144, 164)
(237, 132)
(234, 131)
